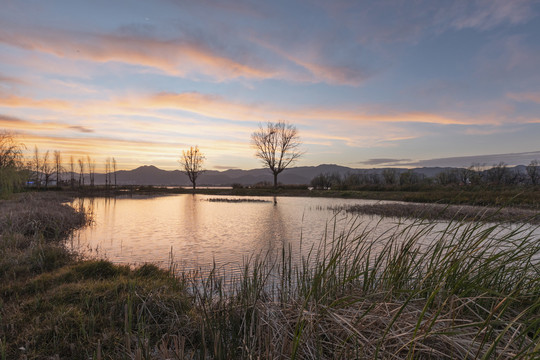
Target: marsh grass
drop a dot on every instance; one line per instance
(445, 212)
(471, 292)
(237, 200)
(420, 290)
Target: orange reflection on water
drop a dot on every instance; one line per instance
(194, 233)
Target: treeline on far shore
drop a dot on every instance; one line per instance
(475, 175)
(47, 169)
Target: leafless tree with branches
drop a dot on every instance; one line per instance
(81, 172)
(72, 172)
(191, 163)
(46, 168)
(277, 146)
(114, 170)
(58, 166)
(35, 165)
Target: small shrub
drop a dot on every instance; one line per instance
(98, 269)
(150, 271)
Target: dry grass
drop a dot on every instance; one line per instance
(31, 214)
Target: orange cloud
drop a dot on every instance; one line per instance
(218, 107)
(18, 101)
(177, 57)
(9, 122)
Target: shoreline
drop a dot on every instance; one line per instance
(503, 208)
(526, 197)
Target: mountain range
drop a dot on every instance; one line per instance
(151, 175)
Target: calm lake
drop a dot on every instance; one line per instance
(194, 231)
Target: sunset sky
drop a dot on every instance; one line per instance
(367, 83)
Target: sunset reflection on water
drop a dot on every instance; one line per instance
(193, 232)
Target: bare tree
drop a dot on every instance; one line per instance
(107, 172)
(72, 171)
(191, 163)
(533, 170)
(35, 165)
(91, 169)
(46, 169)
(81, 172)
(114, 170)
(109, 166)
(277, 146)
(58, 166)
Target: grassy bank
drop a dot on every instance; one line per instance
(471, 292)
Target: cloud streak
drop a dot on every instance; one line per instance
(526, 97)
(177, 56)
(26, 102)
(219, 107)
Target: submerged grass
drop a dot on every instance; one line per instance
(418, 291)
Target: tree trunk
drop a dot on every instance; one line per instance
(194, 185)
(275, 180)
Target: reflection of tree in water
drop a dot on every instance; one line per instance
(185, 251)
(191, 214)
(272, 234)
(86, 205)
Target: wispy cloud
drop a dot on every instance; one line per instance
(525, 97)
(192, 56)
(27, 102)
(22, 125)
(388, 162)
(6, 79)
(487, 14)
(177, 56)
(219, 107)
(81, 129)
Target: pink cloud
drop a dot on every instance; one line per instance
(525, 97)
(26, 102)
(176, 56)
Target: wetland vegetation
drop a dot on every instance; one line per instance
(470, 292)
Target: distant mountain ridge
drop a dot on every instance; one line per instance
(151, 175)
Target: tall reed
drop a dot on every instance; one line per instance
(465, 290)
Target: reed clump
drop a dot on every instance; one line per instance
(421, 290)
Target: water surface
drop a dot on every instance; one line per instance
(194, 232)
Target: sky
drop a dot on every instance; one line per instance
(366, 83)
